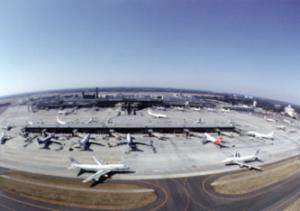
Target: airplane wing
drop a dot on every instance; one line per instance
(248, 166)
(223, 146)
(96, 176)
(97, 161)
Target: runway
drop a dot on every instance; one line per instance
(192, 193)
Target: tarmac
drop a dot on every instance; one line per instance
(190, 193)
(177, 156)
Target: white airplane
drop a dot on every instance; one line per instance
(159, 136)
(114, 134)
(60, 122)
(8, 127)
(281, 127)
(160, 108)
(4, 138)
(67, 112)
(290, 111)
(225, 110)
(261, 135)
(100, 168)
(242, 161)
(269, 119)
(157, 115)
(29, 122)
(195, 109)
(92, 120)
(210, 109)
(189, 133)
(48, 140)
(227, 134)
(133, 145)
(217, 141)
(178, 108)
(287, 121)
(85, 143)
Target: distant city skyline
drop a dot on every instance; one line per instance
(243, 47)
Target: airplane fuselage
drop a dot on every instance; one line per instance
(244, 159)
(260, 135)
(93, 167)
(85, 139)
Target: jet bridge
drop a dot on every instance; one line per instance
(103, 129)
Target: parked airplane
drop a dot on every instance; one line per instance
(269, 119)
(261, 135)
(195, 109)
(29, 122)
(4, 138)
(159, 136)
(289, 122)
(210, 109)
(29, 140)
(225, 110)
(112, 133)
(290, 111)
(60, 122)
(157, 115)
(188, 133)
(85, 143)
(101, 169)
(92, 120)
(48, 140)
(242, 161)
(177, 108)
(281, 127)
(8, 127)
(217, 141)
(227, 134)
(160, 108)
(67, 112)
(133, 145)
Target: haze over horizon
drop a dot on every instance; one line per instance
(244, 47)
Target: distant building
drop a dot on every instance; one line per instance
(289, 111)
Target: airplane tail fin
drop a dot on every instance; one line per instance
(236, 154)
(271, 134)
(219, 139)
(73, 163)
(97, 161)
(40, 141)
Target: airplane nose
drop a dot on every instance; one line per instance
(225, 161)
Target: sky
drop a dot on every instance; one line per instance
(249, 47)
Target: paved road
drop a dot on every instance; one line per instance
(193, 193)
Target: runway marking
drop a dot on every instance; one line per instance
(80, 189)
(27, 203)
(285, 203)
(208, 192)
(6, 207)
(251, 194)
(187, 196)
(166, 195)
(197, 203)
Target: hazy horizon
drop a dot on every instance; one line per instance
(243, 47)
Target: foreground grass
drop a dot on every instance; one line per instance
(33, 186)
(249, 181)
(295, 206)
